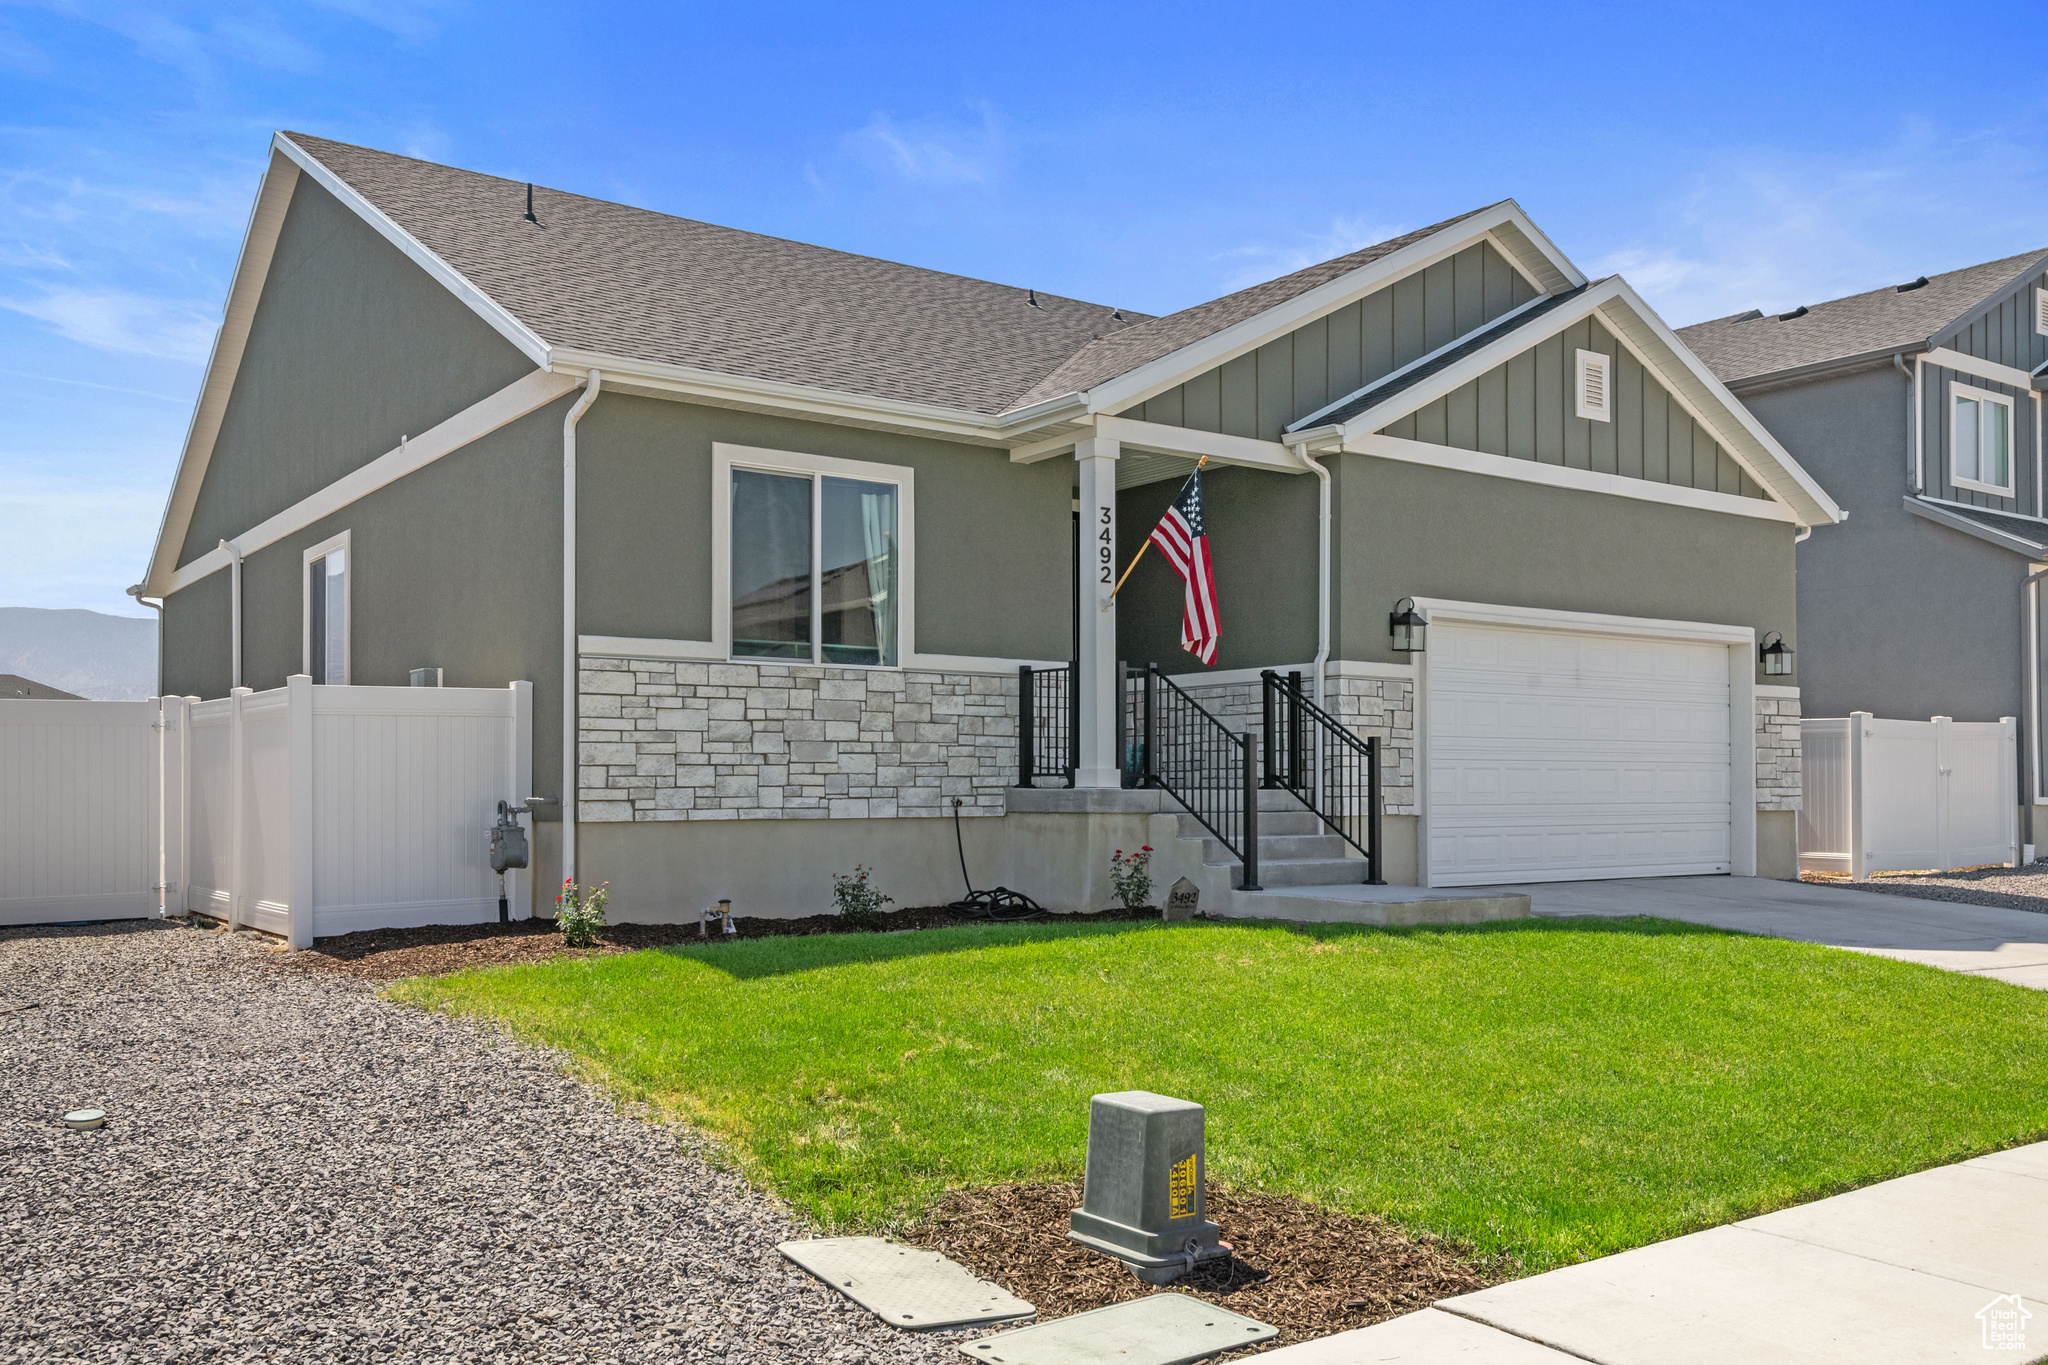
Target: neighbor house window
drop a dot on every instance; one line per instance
(1596, 386)
(326, 598)
(816, 567)
(1980, 438)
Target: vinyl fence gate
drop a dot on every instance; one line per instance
(305, 811)
(1907, 795)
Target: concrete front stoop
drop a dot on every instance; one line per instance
(1308, 875)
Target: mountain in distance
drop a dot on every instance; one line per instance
(106, 658)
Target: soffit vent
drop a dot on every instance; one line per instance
(1596, 386)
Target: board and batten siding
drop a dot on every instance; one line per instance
(2004, 331)
(1260, 392)
(1524, 409)
(1936, 431)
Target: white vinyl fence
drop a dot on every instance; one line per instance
(305, 811)
(81, 801)
(1903, 795)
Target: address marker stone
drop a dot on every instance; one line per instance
(1183, 900)
(1143, 1197)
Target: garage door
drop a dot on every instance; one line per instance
(1556, 755)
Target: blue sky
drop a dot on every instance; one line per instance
(1148, 156)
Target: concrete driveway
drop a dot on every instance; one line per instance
(1982, 940)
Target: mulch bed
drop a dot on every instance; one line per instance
(384, 955)
(1305, 1271)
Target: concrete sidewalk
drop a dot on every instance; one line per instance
(1982, 940)
(1913, 1270)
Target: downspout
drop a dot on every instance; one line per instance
(234, 613)
(1912, 422)
(157, 607)
(570, 648)
(163, 908)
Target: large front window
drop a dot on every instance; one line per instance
(1981, 440)
(814, 568)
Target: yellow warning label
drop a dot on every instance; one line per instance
(1180, 1187)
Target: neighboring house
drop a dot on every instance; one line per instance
(825, 506)
(1918, 406)
(14, 687)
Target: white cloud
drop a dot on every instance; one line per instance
(933, 153)
(1764, 229)
(112, 320)
(1262, 261)
(69, 545)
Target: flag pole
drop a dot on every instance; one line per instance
(1142, 548)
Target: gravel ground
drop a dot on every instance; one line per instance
(2013, 888)
(296, 1170)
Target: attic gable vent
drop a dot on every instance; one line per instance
(1596, 386)
(2041, 311)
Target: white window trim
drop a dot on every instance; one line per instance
(1958, 389)
(1603, 362)
(348, 608)
(726, 458)
(1740, 642)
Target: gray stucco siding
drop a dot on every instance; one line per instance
(1898, 616)
(352, 347)
(993, 539)
(1259, 393)
(1262, 547)
(456, 566)
(1412, 530)
(1938, 434)
(2004, 331)
(1525, 409)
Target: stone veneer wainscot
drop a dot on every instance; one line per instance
(665, 740)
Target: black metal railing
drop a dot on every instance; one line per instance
(1166, 739)
(1048, 724)
(1330, 770)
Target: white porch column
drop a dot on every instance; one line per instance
(1099, 765)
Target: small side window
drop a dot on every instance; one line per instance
(1596, 386)
(327, 610)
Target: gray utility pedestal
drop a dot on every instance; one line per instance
(1143, 1201)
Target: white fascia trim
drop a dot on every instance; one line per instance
(1982, 369)
(1939, 514)
(1221, 449)
(1335, 668)
(1198, 357)
(1559, 476)
(1791, 482)
(523, 395)
(1435, 609)
(704, 651)
(931, 419)
(252, 269)
(1309, 422)
(449, 278)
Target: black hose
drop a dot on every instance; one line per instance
(1002, 905)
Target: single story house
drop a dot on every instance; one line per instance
(1918, 405)
(773, 528)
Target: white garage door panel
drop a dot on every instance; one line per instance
(1557, 755)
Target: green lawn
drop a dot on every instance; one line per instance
(1552, 1089)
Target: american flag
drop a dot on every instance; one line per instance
(1183, 537)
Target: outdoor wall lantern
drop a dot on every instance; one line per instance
(1776, 656)
(1409, 627)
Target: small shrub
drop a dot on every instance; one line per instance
(580, 914)
(1130, 877)
(859, 900)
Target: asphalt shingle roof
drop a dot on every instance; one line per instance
(1741, 347)
(598, 276)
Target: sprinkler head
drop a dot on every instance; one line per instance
(83, 1119)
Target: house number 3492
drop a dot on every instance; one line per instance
(1105, 546)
